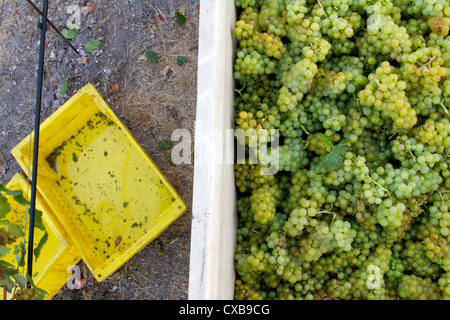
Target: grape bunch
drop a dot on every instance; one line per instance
(385, 95)
(349, 199)
(296, 82)
(26, 294)
(6, 238)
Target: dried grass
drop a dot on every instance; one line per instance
(17, 31)
(155, 105)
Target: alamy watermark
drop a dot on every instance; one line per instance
(230, 146)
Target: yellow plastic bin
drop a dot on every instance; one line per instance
(51, 270)
(100, 184)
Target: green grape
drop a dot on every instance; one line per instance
(296, 82)
(444, 284)
(357, 204)
(386, 95)
(416, 288)
(6, 238)
(26, 294)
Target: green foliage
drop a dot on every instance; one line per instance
(65, 87)
(181, 60)
(69, 33)
(334, 159)
(165, 144)
(92, 45)
(180, 18)
(11, 280)
(152, 56)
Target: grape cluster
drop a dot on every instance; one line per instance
(6, 237)
(296, 82)
(348, 199)
(425, 8)
(383, 38)
(444, 284)
(26, 294)
(386, 97)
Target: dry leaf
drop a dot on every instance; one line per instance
(82, 60)
(114, 87)
(165, 71)
(182, 10)
(88, 8)
(80, 283)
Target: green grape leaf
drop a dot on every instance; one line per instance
(65, 87)
(180, 19)
(37, 250)
(92, 45)
(5, 265)
(69, 33)
(20, 280)
(20, 199)
(334, 159)
(181, 60)
(331, 161)
(10, 192)
(19, 253)
(4, 207)
(328, 143)
(165, 144)
(152, 56)
(38, 223)
(4, 251)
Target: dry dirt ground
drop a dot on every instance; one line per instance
(151, 100)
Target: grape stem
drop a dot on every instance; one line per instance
(445, 109)
(329, 212)
(442, 198)
(429, 62)
(320, 4)
(240, 91)
(382, 188)
(306, 131)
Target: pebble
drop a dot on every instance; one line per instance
(49, 97)
(56, 104)
(60, 55)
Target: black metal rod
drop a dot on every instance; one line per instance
(54, 27)
(43, 26)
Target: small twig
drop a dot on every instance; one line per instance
(445, 109)
(370, 178)
(306, 131)
(240, 91)
(320, 4)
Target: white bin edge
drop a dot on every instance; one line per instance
(214, 222)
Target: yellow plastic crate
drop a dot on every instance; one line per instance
(100, 184)
(50, 270)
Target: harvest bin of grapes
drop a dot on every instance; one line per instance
(100, 186)
(357, 207)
